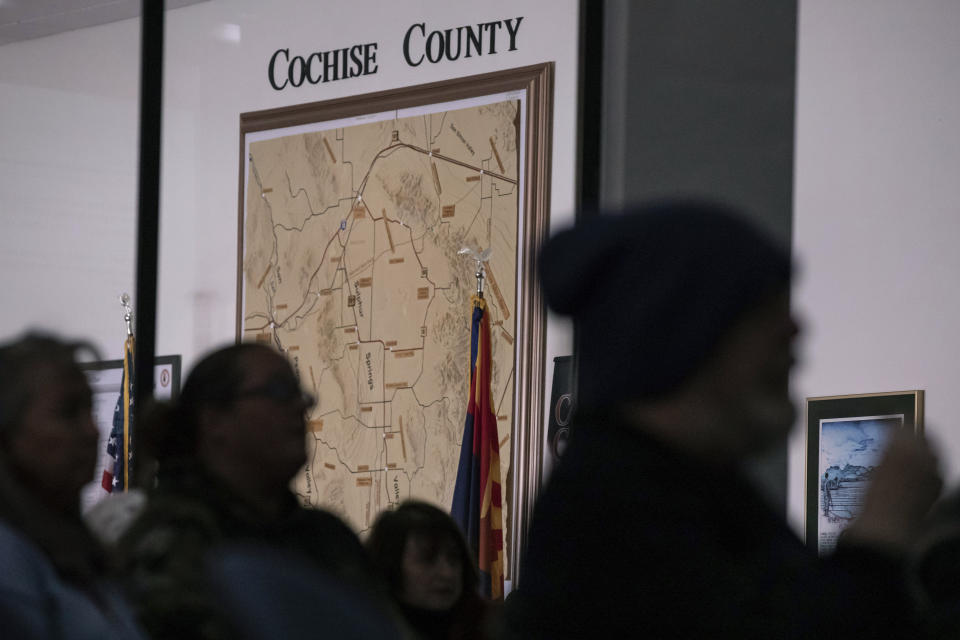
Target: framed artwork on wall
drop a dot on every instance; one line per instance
(846, 439)
(353, 217)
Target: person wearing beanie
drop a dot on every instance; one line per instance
(647, 527)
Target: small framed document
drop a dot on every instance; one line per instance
(846, 439)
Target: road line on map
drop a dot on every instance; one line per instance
(496, 292)
(264, 276)
(496, 154)
(333, 158)
(403, 442)
(386, 224)
(504, 394)
(452, 161)
(436, 177)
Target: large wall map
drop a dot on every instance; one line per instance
(351, 265)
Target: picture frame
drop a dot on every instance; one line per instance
(846, 436)
(456, 154)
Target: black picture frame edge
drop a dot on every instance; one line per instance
(175, 361)
(811, 447)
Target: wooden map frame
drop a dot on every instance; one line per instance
(522, 483)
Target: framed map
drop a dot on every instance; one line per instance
(353, 215)
(846, 440)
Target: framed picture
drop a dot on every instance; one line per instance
(353, 217)
(106, 381)
(846, 438)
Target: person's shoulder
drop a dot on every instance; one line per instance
(177, 510)
(24, 569)
(323, 521)
(110, 518)
(168, 524)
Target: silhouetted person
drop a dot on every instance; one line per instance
(825, 485)
(51, 568)
(432, 575)
(647, 527)
(227, 451)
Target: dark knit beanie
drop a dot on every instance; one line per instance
(653, 290)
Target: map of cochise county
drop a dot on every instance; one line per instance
(352, 267)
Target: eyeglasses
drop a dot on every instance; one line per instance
(279, 391)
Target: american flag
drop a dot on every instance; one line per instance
(120, 444)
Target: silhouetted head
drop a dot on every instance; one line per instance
(47, 433)
(241, 411)
(678, 299)
(423, 555)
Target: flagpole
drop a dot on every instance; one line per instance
(477, 496)
(128, 346)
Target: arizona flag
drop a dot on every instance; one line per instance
(476, 497)
(119, 443)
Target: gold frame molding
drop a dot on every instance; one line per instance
(523, 481)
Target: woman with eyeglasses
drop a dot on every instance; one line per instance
(226, 451)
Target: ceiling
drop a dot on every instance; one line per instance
(28, 19)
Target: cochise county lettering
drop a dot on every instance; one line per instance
(322, 66)
(419, 45)
(456, 41)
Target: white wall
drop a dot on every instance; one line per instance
(69, 134)
(877, 194)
